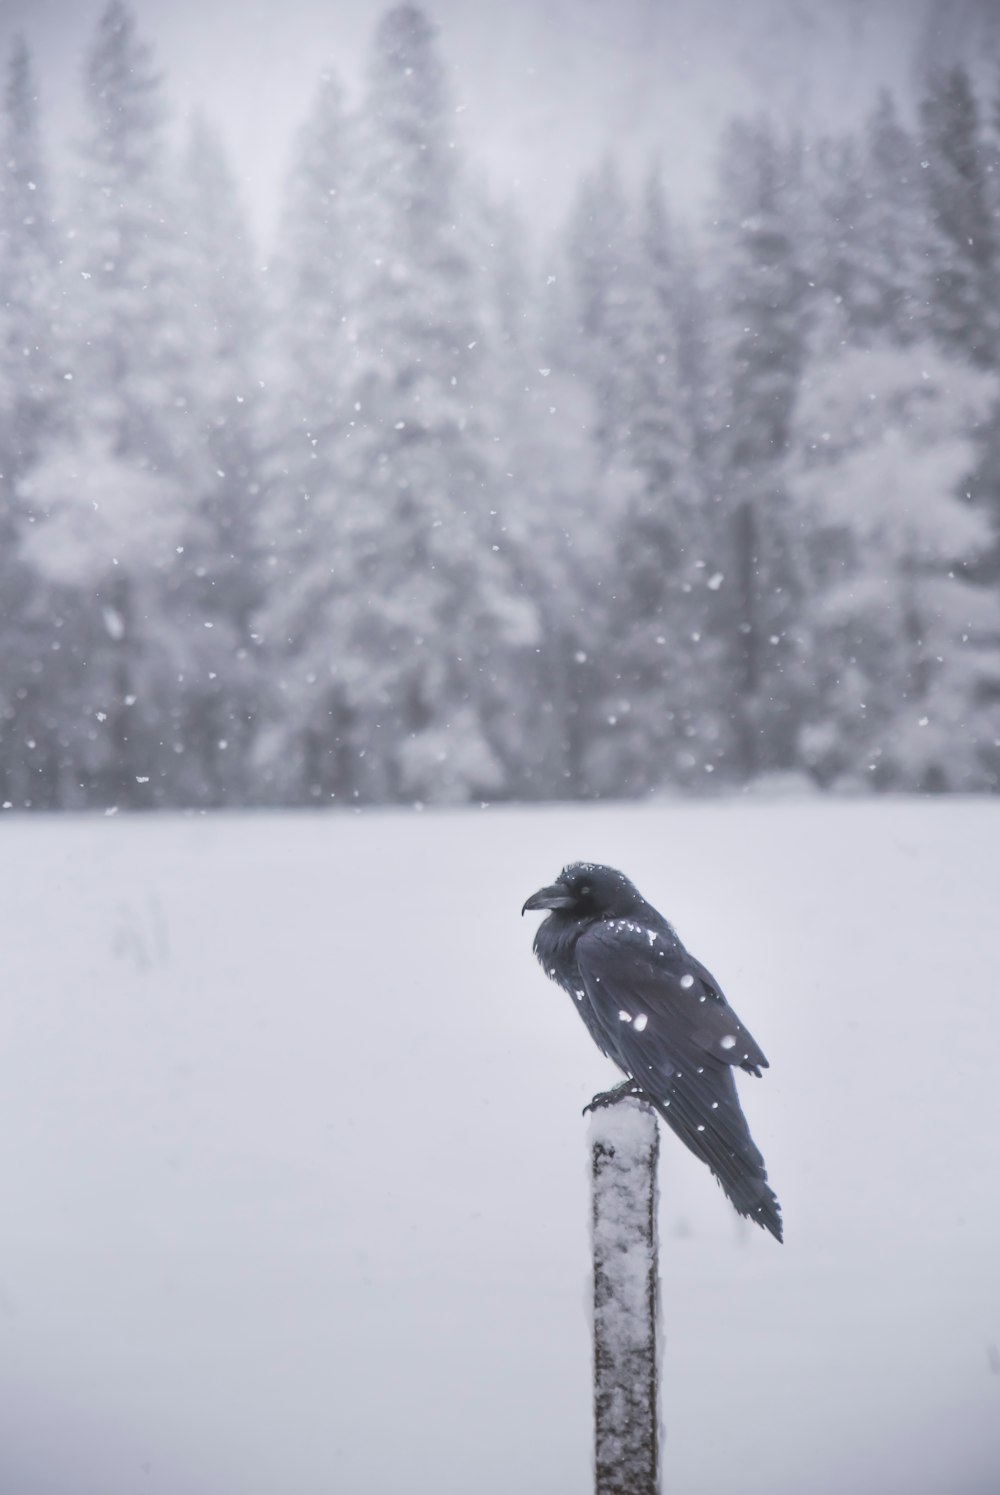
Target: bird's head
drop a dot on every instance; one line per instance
(585, 890)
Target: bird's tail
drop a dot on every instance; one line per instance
(708, 1120)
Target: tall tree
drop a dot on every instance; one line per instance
(27, 256)
(433, 607)
(866, 232)
(835, 244)
(111, 499)
(303, 750)
(963, 256)
(601, 259)
(221, 581)
(534, 736)
(29, 391)
(961, 246)
(764, 325)
(658, 721)
(585, 312)
(895, 294)
(906, 653)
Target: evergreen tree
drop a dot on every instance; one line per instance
(658, 722)
(866, 232)
(27, 254)
(28, 414)
(907, 642)
(556, 518)
(698, 372)
(433, 610)
(961, 243)
(985, 484)
(303, 751)
(764, 318)
(584, 321)
(221, 582)
(962, 249)
(530, 491)
(601, 257)
(311, 291)
(836, 233)
(111, 498)
(894, 296)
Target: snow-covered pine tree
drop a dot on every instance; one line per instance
(961, 244)
(660, 713)
(836, 224)
(906, 642)
(431, 606)
(303, 751)
(986, 480)
(864, 231)
(27, 255)
(584, 315)
(894, 295)
(763, 325)
(866, 237)
(533, 489)
(991, 151)
(962, 250)
(697, 358)
(220, 583)
(553, 476)
(111, 498)
(29, 390)
(600, 255)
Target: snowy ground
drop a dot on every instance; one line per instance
(293, 1171)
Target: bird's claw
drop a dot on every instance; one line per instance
(611, 1097)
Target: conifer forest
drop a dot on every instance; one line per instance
(418, 504)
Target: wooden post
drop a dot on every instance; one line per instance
(625, 1145)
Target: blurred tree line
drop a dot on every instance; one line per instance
(417, 514)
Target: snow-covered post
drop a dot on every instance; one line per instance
(625, 1146)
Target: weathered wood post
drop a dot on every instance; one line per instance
(625, 1146)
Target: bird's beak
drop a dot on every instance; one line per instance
(557, 896)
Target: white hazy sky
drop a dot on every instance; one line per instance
(543, 87)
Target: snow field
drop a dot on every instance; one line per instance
(295, 1180)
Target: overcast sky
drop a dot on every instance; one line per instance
(542, 87)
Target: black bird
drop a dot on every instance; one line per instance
(660, 1015)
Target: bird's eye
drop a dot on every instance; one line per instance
(585, 889)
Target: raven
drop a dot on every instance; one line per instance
(660, 1015)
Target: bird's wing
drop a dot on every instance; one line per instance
(658, 1002)
(678, 1039)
